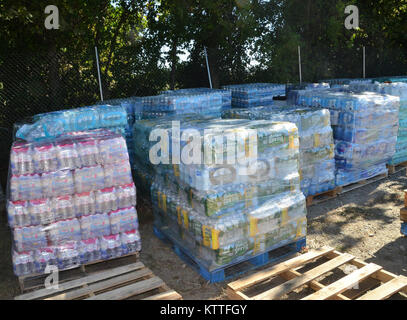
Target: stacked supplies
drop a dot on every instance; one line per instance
(397, 89)
(365, 127)
(239, 197)
(202, 102)
(292, 90)
(226, 94)
(339, 82)
(316, 160)
(254, 94)
(71, 200)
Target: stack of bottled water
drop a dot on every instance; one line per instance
(365, 126)
(346, 81)
(317, 162)
(397, 89)
(226, 94)
(391, 79)
(292, 90)
(240, 196)
(254, 94)
(51, 125)
(178, 103)
(66, 195)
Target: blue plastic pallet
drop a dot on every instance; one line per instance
(236, 268)
(404, 228)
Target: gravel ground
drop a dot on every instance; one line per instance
(364, 222)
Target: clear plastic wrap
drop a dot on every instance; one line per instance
(255, 94)
(59, 217)
(229, 210)
(365, 127)
(316, 158)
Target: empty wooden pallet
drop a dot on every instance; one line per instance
(132, 281)
(314, 276)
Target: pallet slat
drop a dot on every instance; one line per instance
(115, 284)
(93, 288)
(381, 283)
(80, 282)
(344, 283)
(308, 276)
(277, 269)
(130, 290)
(386, 290)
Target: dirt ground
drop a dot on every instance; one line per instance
(364, 222)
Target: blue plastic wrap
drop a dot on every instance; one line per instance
(254, 94)
(365, 126)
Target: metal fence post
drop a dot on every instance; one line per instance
(100, 81)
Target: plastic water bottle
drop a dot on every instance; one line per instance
(23, 263)
(89, 250)
(44, 257)
(126, 195)
(96, 225)
(68, 156)
(57, 183)
(45, 158)
(40, 212)
(68, 255)
(112, 149)
(118, 174)
(18, 215)
(85, 204)
(123, 220)
(130, 241)
(88, 152)
(111, 246)
(89, 179)
(25, 187)
(21, 158)
(64, 230)
(29, 238)
(106, 200)
(63, 207)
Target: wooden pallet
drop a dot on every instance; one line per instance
(362, 183)
(133, 281)
(322, 197)
(396, 168)
(316, 274)
(35, 281)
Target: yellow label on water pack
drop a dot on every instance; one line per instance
(332, 151)
(179, 215)
(291, 142)
(176, 169)
(284, 216)
(257, 245)
(248, 196)
(164, 202)
(301, 224)
(185, 215)
(326, 121)
(205, 235)
(159, 199)
(317, 140)
(253, 226)
(215, 239)
(247, 147)
(300, 174)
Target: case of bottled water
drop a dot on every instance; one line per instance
(62, 195)
(398, 89)
(292, 90)
(365, 127)
(241, 200)
(255, 94)
(316, 158)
